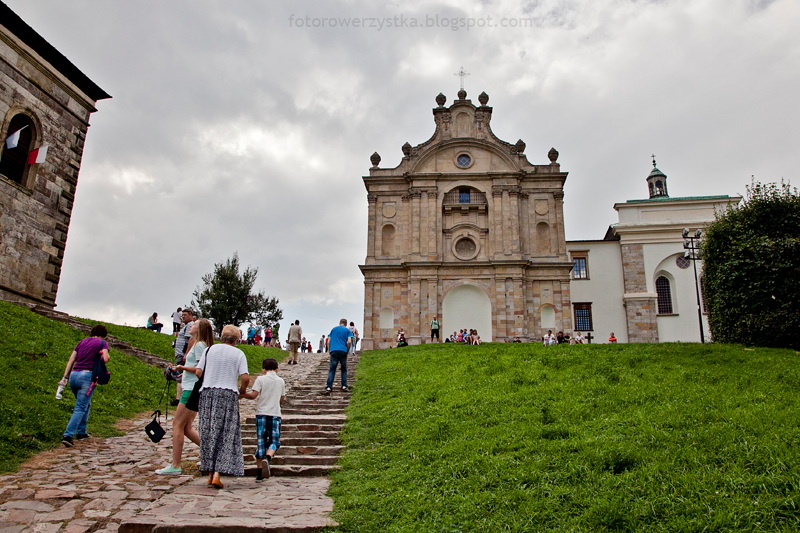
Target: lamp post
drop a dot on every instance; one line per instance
(691, 246)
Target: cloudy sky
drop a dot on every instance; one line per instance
(246, 125)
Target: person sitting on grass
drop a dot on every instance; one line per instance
(270, 391)
(401, 338)
(476, 339)
(153, 323)
(612, 339)
(549, 339)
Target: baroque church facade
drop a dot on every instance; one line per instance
(467, 230)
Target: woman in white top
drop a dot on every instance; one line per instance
(203, 336)
(220, 431)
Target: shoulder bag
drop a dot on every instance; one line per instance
(193, 403)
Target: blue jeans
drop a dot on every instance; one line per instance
(337, 357)
(80, 382)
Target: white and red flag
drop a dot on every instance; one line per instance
(37, 156)
(13, 140)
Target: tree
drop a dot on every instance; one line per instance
(226, 297)
(751, 263)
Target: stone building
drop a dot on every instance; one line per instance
(636, 282)
(45, 98)
(467, 229)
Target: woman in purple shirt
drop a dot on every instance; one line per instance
(79, 374)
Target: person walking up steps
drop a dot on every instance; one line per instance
(295, 335)
(270, 391)
(78, 374)
(341, 339)
(203, 335)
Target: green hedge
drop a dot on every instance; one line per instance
(751, 257)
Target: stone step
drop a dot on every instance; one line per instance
(307, 411)
(286, 434)
(291, 441)
(306, 419)
(305, 460)
(297, 470)
(287, 451)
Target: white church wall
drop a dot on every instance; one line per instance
(682, 325)
(603, 288)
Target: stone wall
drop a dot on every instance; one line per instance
(35, 215)
(640, 306)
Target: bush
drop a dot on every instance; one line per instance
(751, 267)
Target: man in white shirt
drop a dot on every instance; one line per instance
(549, 339)
(270, 391)
(176, 322)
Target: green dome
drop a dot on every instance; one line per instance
(656, 173)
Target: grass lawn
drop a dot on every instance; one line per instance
(160, 344)
(34, 352)
(518, 437)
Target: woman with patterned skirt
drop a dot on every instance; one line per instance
(220, 433)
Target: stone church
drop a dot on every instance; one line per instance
(45, 104)
(468, 230)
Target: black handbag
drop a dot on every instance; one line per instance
(154, 429)
(193, 402)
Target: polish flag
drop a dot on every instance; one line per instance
(37, 156)
(13, 140)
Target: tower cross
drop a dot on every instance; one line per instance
(462, 73)
(654, 160)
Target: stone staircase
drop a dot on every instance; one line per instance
(113, 341)
(311, 422)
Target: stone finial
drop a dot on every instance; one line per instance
(553, 155)
(483, 98)
(462, 94)
(376, 159)
(441, 99)
(406, 149)
(520, 146)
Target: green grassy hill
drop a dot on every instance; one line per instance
(33, 353)
(505, 437)
(161, 344)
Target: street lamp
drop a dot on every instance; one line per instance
(691, 247)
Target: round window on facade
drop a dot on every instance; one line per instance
(463, 160)
(682, 262)
(465, 248)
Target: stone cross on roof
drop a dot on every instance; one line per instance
(462, 73)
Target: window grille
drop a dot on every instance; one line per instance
(583, 317)
(664, 293)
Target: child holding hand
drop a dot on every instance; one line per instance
(270, 391)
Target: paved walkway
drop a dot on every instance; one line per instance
(109, 484)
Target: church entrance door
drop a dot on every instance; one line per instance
(467, 307)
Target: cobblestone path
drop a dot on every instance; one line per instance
(110, 484)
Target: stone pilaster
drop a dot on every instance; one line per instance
(640, 305)
(372, 200)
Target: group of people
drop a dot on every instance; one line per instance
(218, 371)
(559, 338)
(465, 336)
(258, 335)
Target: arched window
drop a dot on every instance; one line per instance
(14, 160)
(387, 240)
(543, 238)
(664, 292)
(387, 318)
